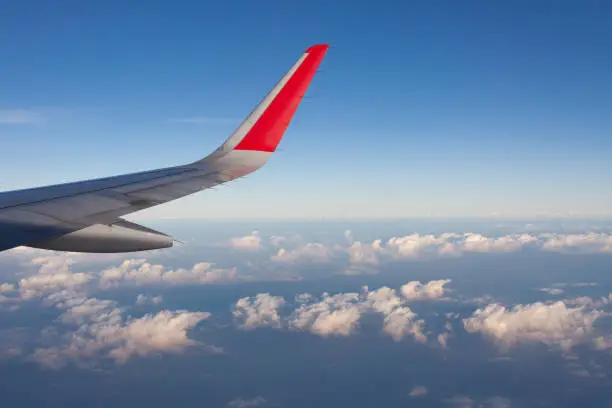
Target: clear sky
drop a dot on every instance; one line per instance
(421, 108)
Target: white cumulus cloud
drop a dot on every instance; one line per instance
(554, 324)
(141, 272)
(260, 310)
(415, 290)
(54, 275)
(142, 300)
(7, 287)
(104, 333)
(552, 291)
(577, 243)
(85, 310)
(402, 322)
(333, 315)
(250, 242)
(311, 252)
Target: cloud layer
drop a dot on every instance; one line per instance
(367, 257)
(89, 328)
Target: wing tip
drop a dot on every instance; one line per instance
(317, 48)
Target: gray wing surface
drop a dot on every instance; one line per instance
(28, 216)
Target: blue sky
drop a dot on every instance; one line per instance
(422, 108)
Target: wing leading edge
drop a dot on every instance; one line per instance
(34, 216)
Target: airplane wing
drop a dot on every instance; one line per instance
(85, 216)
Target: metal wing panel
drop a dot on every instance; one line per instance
(40, 194)
(78, 207)
(105, 205)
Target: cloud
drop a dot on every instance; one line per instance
(38, 285)
(260, 310)
(7, 287)
(103, 333)
(577, 243)
(452, 244)
(413, 246)
(443, 337)
(399, 321)
(418, 391)
(311, 252)
(250, 242)
(552, 291)
(165, 331)
(86, 310)
(481, 243)
(449, 244)
(278, 240)
(383, 300)
(141, 272)
(333, 315)
(247, 403)
(554, 324)
(340, 314)
(54, 264)
(363, 257)
(367, 257)
(19, 117)
(415, 290)
(417, 246)
(53, 276)
(142, 300)
(402, 322)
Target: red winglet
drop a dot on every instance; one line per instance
(266, 133)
